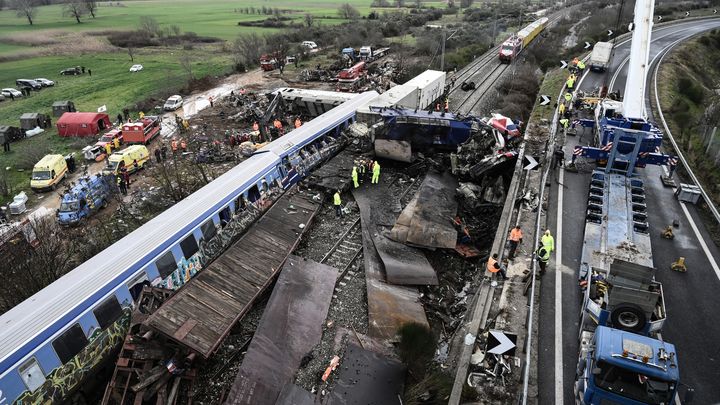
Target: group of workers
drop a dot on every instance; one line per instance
(109, 146)
(359, 173)
(174, 144)
(542, 253)
(360, 170)
(123, 177)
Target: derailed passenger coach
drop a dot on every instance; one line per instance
(56, 339)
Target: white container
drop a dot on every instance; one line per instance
(430, 86)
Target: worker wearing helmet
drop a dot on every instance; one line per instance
(376, 173)
(548, 241)
(355, 177)
(338, 204)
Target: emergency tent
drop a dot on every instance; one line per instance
(82, 124)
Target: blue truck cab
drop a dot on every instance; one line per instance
(350, 53)
(619, 367)
(83, 199)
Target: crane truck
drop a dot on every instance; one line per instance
(623, 359)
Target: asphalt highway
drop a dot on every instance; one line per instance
(693, 323)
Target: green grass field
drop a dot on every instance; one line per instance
(216, 18)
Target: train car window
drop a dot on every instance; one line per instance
(136, 285)
(166, 264)
(208, 230)
(32, 374)
(253, 194)
(225, 216)
(189, 246)
(108, 312)
(240, 203)
(70, 343)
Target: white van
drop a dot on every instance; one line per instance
(309, 44)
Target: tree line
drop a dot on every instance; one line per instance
(75, 9)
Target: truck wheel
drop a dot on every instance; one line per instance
(628, 317)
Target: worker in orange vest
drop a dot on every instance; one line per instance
(183, 145)
(298, 123)
(514, 240)
(493, 266)
(174, 145)
(447, 104)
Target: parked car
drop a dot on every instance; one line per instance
(2, 97)
(71, 71)
(8, 91)
(45, 82)
(173, 103)
(309, 44)
(28, 83)
(136, 68)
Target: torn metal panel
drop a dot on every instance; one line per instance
(403, 264)
(395, 150)
(290, 327)
(200, 314)
(294, 395)
(389, 306)
(367, 378)
(427, 220)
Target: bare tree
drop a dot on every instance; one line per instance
(91, 7)
(400, 3)
(74, 9)
(186, 65)
(149, 25)
(309, 20)
(247, 48)
(279, 46)
(25, 8)
(131, 53)
(176, 30)
(348, 12)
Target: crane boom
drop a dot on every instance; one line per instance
(633, 98)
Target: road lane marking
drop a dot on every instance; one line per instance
(558, 295)
(705, 249)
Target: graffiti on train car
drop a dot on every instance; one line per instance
(63, 380)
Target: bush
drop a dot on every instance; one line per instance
(690, 89)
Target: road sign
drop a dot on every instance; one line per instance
(564, 64)
(587, 45)
(687, 14)
(530, 162)
(715, 11)
(610, 32)
(500, 342)
(659, 18)
(631, 26)
(545, 100)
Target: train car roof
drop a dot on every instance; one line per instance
(299, 137)
(46, 312)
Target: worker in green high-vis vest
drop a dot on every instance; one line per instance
(376, 173)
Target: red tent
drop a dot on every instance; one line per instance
(82, 123)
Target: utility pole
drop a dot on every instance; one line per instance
(492, 41)
(442, 56)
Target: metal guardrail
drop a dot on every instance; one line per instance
(694, 178)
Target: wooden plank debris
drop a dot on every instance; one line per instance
(223, 293)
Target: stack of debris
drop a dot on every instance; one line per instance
(150, 370)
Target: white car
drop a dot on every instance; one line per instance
(173, 103)
(136, 68)
(309, 44)
(45, 82)
(9, 91)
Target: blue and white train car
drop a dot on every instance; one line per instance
(52, 342)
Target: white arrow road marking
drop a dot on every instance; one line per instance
(564, 64)
(504, 343)
(610, 33)
(587, 45)
(545, 100)
(532, 162)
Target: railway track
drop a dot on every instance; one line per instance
(345, 251)
(488, 82)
